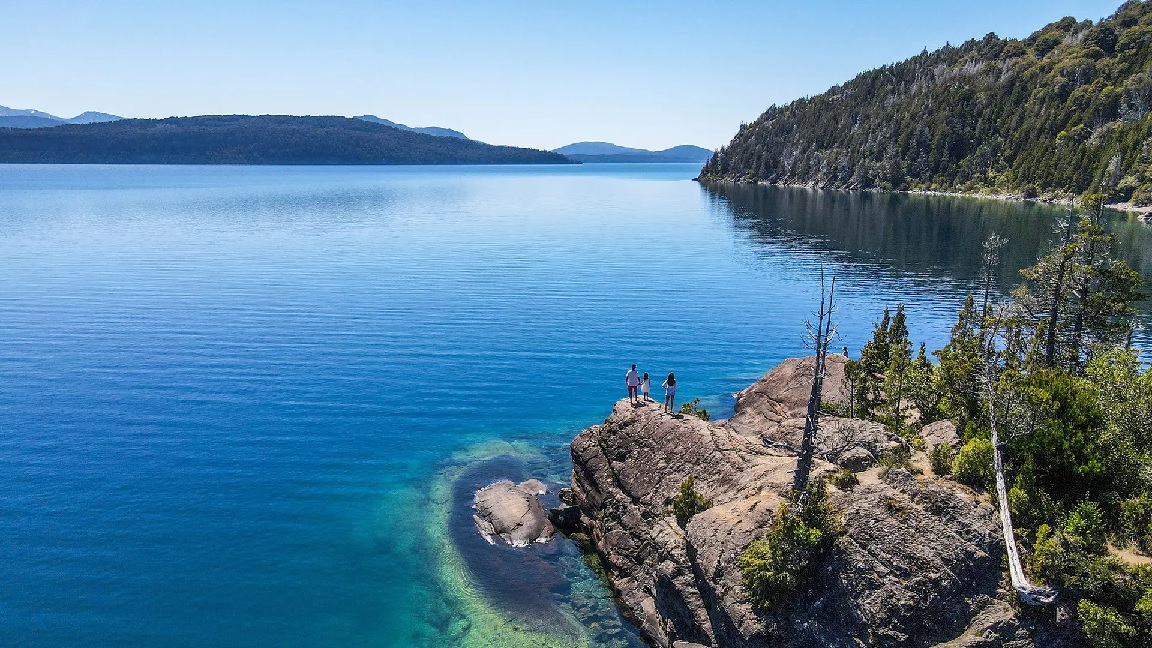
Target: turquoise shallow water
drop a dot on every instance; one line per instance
(228, 394)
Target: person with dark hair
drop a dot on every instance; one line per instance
(669, 392)
(645, 386)
(632, 381)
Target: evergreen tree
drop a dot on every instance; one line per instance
(867, 373)
(1078, 297)
(960, 366)
(896, 373)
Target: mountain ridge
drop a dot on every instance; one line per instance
(29, 118)
(608, 152)
(247, 139)
(437, 131)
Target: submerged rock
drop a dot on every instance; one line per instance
(918, 562)
(513, 513)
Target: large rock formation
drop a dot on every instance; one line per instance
(918, 562)
(513, 513)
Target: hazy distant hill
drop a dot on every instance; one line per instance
(26, 118)
(607, 152)
(1065, 110)
(5, 111)
(427, 130)
(244, 139)
(22, 121)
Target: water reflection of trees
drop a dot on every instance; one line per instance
(919, 233)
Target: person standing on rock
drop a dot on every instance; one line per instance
(669, 392)
(645, 387)
(632, 381)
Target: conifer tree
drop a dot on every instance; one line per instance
(960, 366)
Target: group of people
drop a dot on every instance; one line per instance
(639, 387)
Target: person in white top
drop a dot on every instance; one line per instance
(645, 386)
(669, 392)
(632, 381)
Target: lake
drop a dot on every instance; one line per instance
(246, 406)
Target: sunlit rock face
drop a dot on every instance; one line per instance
(918, 562)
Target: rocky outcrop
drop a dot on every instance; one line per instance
(940, 433)
(772, 411)
(918, 562)
(513, 513)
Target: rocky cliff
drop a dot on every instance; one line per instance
(918, 562)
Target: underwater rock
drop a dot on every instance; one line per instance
(513, 513)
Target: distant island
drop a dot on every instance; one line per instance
(1061, 112)
(246, 139)
(604, 152)
(28, 118)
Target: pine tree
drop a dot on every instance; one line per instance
(960, 366)
(896, 373)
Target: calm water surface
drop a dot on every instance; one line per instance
(227, 395)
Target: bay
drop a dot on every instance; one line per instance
(234, 401)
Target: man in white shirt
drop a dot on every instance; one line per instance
(632, 381)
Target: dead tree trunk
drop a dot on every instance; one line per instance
(1029, 594)
(821, 337)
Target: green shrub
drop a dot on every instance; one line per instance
(1136, 522)
(844, 479)
(1085, 527)
(688, 502)
(941, 458)
(694, 409)
(773, 567)
(1103, 626)
(973, 464)
(832, 408)
(1047, 558)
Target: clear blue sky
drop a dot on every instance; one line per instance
(540, 74)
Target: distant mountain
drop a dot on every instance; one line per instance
(24, 118)
(596, 148)
(91, 117)
(606, 152)
(5, 111)
(28, 121)
(245, 139)
(427, 130)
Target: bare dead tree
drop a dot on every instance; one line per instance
(1029, 594)
(820, 336)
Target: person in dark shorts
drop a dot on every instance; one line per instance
(632, 381)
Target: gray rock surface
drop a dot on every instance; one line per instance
(772, 410)
(940, 433)
(918, 563)
(513, 513)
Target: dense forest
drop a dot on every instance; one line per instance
(243, 139)
(1061, 112)
(1049, 379)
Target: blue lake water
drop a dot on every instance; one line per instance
(233, 399)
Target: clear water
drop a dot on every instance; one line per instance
(233, 399)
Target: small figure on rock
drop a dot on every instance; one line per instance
(632, 381)
(669, 392)
(645, 387)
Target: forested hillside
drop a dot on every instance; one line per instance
(1064, 111)
(244, 139)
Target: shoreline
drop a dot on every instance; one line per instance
(1143, 212)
